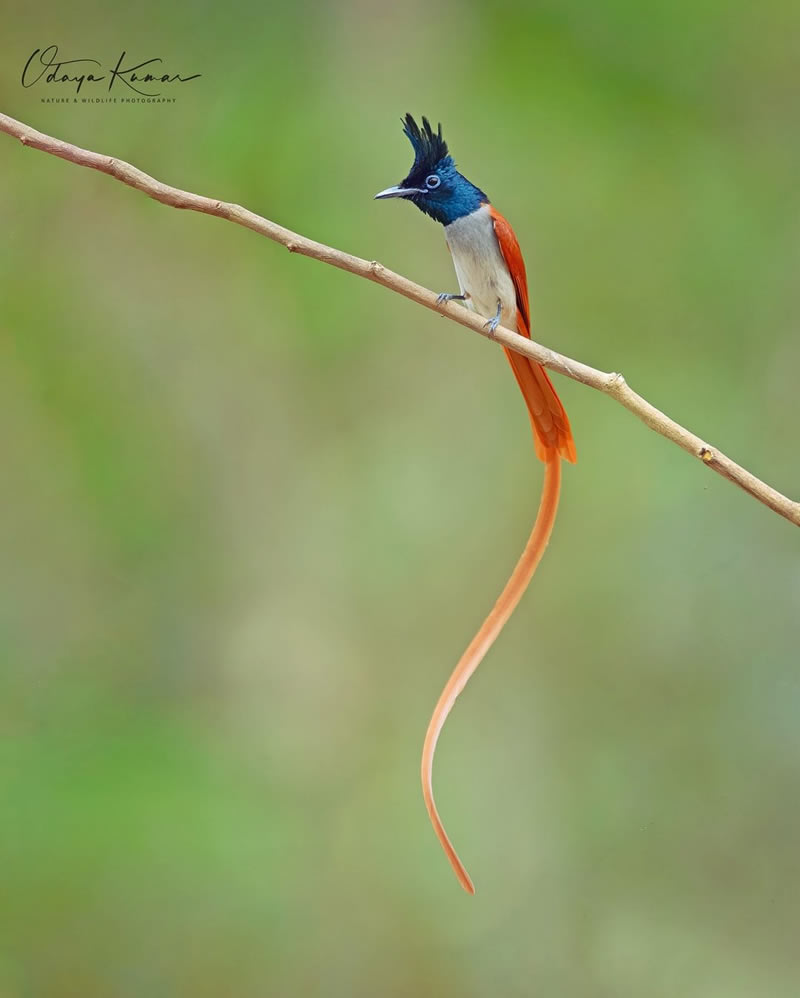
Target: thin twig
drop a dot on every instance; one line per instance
(609, 383)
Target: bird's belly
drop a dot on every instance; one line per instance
(480, 268)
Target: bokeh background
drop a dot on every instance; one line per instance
(252, 509)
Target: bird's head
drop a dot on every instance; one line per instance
(433, 183)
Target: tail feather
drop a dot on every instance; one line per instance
(551, 429)
(553, 440)
(483, 641)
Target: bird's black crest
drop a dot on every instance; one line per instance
(429, 146)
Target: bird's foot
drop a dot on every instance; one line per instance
(445, 297)
(494, 322)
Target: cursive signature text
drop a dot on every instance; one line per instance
(52, 69)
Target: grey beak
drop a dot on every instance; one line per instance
(398, 192)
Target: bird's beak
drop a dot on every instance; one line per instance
(398, 192)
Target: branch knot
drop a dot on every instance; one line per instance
(615, 383)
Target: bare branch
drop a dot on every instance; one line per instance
(611, 384)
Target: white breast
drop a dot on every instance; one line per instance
(480, 268)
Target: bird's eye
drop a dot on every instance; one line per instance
(432, 182)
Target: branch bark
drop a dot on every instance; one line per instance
(610, 384)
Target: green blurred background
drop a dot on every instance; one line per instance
(252, 508)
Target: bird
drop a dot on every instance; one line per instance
(492, 280)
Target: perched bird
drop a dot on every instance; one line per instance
(492, 281)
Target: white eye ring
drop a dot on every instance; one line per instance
(432, 182)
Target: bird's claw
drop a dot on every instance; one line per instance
(494, 322)
(445, 296)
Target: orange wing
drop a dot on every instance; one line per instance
(551, 429)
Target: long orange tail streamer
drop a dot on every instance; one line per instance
(553, 440)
